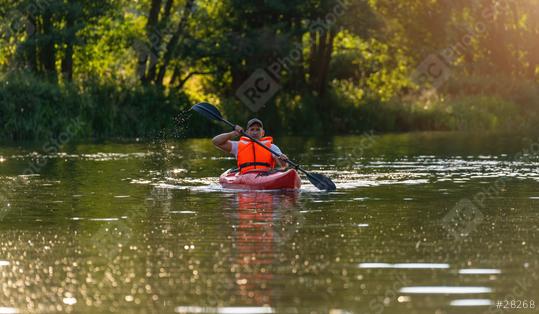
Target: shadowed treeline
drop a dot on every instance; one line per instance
(131, 68)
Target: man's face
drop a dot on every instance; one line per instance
(255, 131)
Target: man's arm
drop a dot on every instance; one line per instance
(222, 141)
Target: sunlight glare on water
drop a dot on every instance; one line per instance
(418, 224)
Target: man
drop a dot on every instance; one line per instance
(250, 156)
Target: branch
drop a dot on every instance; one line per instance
(184, 80)
(171, 47)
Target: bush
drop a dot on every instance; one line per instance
(483, 106)
(488, 113)
(34, 109)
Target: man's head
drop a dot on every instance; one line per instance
(255, 128)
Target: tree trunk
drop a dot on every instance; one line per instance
(321, 50)
(175, 75)
(47, 53)
(312, 58)
(172, 45)
(325, 61)
(168, 7)
(319, 66)
(67, 61)
(154, 38)
(298, 74)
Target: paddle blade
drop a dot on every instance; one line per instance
(208, 110)
(321, 181)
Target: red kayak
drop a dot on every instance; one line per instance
(260, 180)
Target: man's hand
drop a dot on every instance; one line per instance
(222, 141)
(237, 130)
(283, 157)
(281, 160)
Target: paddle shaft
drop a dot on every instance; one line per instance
(318, 180)
(265, 147)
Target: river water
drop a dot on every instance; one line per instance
(420, 223)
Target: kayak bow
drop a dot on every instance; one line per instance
(258, 180)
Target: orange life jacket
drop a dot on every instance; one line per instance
(253, 157)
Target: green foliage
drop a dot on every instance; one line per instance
(130, 68)
(31, 108)
(374, 68)
(480, 113)
(499, 111)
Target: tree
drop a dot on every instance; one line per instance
(162, 39)
(50, 32)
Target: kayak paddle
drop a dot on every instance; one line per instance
(320, 181)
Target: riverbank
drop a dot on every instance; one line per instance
(35, 109)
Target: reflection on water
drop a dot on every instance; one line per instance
(479, 271)
(224, 310)
(136, 228)
(471, 302)
(445, 290)
(258, 221)
(8, 310)
(404, 265)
